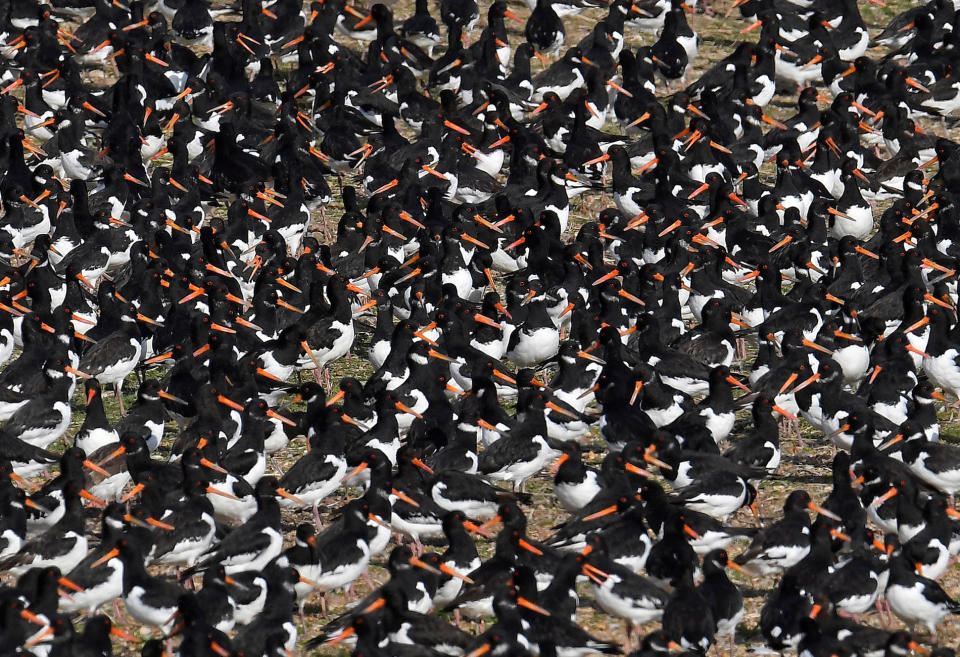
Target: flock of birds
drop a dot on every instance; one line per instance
(503, 346)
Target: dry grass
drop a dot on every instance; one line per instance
(806, 459)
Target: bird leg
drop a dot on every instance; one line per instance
(316, 515)
(369, 580)
(784, 430)
(116, 610)
(883, 617)
(118, 387)
(741, 347)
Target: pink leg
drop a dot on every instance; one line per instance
(883, 618)
(117, 387)
(369, 580)
(116, 610)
